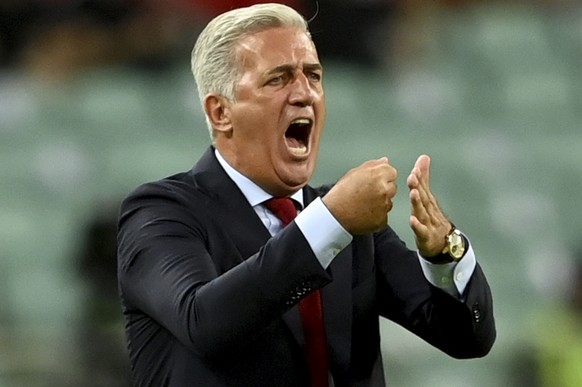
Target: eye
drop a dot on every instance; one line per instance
(314, 76)
(277, 80)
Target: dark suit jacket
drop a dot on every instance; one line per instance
(209, 296)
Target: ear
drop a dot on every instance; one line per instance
(217, 109)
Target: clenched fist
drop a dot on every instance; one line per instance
(362, 198)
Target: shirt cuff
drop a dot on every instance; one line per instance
(451, 277)
(323, 232)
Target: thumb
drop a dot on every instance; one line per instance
(380, 161)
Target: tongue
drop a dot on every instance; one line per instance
(293, 142)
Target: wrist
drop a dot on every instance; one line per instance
(454, 249)
(439, 259)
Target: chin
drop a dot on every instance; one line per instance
(297, 183)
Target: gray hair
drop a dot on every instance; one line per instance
(213, 57)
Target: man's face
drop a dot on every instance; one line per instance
(279, 112)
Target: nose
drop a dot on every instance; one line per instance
(302, 92)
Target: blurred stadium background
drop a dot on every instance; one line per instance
(96, 97)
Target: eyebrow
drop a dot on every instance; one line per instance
(289, 68)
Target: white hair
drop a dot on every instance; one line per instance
(214, 55)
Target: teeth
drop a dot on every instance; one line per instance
(299, 150)
(301, 121)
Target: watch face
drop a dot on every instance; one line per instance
(456, 245)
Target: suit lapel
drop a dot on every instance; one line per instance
(230, 208)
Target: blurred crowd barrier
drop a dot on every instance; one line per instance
(102, 100)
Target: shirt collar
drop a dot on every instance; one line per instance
(254, 194)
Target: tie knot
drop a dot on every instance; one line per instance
(282, 208)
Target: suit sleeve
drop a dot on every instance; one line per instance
(167, 273)
(462, 328)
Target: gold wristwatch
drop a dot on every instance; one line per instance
(455, 244)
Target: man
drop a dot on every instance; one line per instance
(217, 291)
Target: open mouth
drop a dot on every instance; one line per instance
(297, 136)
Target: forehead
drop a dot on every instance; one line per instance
(274, 47)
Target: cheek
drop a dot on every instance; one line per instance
(258, 118)
(246, 123)
(256, 139)
(321, 108)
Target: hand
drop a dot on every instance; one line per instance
(428, 222)
(362, 198)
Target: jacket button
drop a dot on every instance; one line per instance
(476, 313)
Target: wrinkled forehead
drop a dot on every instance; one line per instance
(275, 47)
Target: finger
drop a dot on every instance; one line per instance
(412, 181)
(386, 174)
(380, 161)
(422, 171)
(391, 190)
(371, 164)
(416, 183)
(423, 166)
(418, 209)
(389, 204)
(419, 229)
(425, 206)
(378, 168)
(392, 173)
